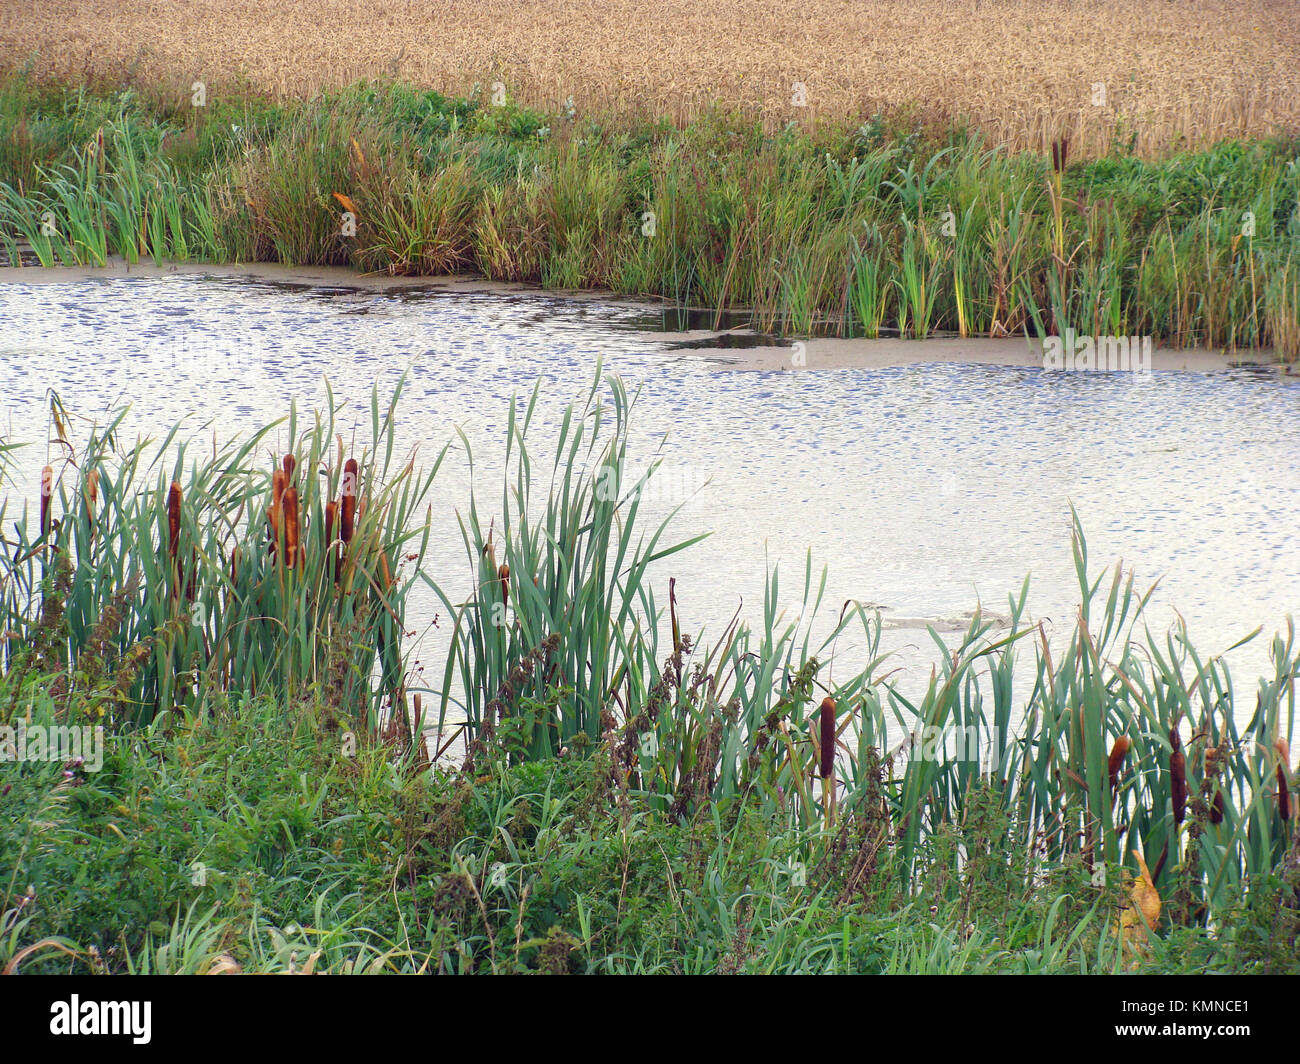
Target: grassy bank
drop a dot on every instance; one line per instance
(625, 797)
(863, 228)
(253, 842)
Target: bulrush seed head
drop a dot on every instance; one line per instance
(827, 737)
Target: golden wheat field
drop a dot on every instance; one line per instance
(1024, 71)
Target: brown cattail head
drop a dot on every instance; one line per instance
(1283, 792)
(1178, 776)
(504, 575)
(92, 497)
(47, 492)
(1118, 753)
(289, 507)
(289, 464)
(1060, 149)
(174, 519)
(385, 571)
(274, 513)
(349, 504)
(827, 737)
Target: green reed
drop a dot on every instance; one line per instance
(1198, 248)
(219, 570)
(171, 575)
(557, 651)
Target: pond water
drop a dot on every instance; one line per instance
(925, 489)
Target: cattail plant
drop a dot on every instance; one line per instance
(349, 500)
(1177, 776)
(199, 534)
(47, 491)
(91, 495)
(1115, 763)
(334, 554)
(174, 535)
(826, 720)
(1212, 767)
(1060, 152)
(292, 529)
(275, 512)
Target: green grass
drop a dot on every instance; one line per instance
(195, 849)
(836, 230)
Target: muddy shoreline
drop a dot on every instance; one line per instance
(737, 349)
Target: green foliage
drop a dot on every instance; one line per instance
(885, 228)
(158, 576)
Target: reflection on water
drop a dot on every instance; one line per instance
(924, 489)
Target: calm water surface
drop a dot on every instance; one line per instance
(924, 489)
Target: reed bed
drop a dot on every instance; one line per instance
(173, 575)
(1020, 71)
(853, 231)
(183, 584)
(1127, 747)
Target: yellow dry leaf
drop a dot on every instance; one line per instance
(224, 965)
(348, 205)
(307, 969)
(1142, 909)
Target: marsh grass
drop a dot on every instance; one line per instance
(821, 229)
(183, 598)
(561, 655)
(213, 571)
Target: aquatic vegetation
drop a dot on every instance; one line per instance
(183, 575)
(186, 601)
(823, 230)
(1084, 751)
